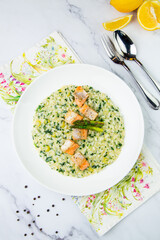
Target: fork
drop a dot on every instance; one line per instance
(116, 58)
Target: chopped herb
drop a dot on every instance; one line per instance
(62, 164)
(119, 145)
(48, 159)
(48, 131)
(39, 107)
(99, 107)
(64, 111)
(95, 166)
(58, 127)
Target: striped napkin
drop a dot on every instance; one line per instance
(105, 209)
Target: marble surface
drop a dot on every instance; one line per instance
(23, 23)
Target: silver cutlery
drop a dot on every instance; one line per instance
(127, 49)
(116, 58)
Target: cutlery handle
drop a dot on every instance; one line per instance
(157, 84)
(151, 100)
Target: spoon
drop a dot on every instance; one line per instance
(127, 49)
(116, 58)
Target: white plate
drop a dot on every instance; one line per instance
(100, 79)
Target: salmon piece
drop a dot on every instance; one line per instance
(79, 134)
(69, 147)
(84, 165)
(80, 96)
(80, 161)
(84, 108)
(71, 117)
(88, 112)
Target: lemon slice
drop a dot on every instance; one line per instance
(117, 23)
(126, 5)
(148, 15)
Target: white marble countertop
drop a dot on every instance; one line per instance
(22, 24)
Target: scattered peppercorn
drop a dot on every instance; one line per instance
(34, 198)
(40, 229)
(56, 232)
(18, 219)
(38, 215)
(17, 211)
(53, 205)
(32, 233)
(29, 225)
(26, 186)
(28, 212)
(39, 196)
(57, 214)
(25, 234)
(48, 210)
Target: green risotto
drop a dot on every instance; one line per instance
(50, 131)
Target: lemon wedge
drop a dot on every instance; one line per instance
(117, 23)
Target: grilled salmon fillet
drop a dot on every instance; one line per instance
(80, 96)
(88, 112)
(69, 147)
(71, 117)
